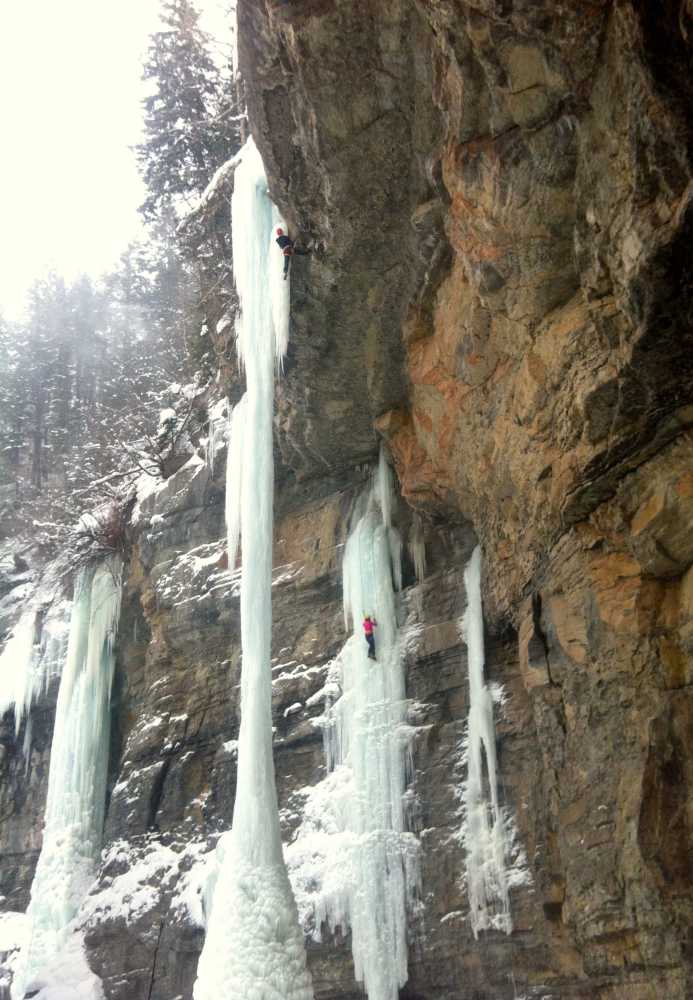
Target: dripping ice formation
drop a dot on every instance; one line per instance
(254, 946)
(78, 770)
(27, 665)
(353, 843)
(486, 832)
(17, 669)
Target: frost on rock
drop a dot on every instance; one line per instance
(254, 946)
(77, 776)
(193, 577)
(495, 862)
(353, 864)
(134, 878)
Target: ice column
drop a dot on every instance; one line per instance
(254, 946)
(484, 831)
(78, 769)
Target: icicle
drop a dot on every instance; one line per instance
(483, 831)
(395, 545)
(254, 945)
(384, 487)
(385, 495)
(77, 776)
(234, 472)
(417, 547)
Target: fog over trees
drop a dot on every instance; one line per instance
(85, 376)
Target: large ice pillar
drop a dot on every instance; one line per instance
(254, 946)
(78, 771)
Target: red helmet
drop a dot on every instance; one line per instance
(280, 232)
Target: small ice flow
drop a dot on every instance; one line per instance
(485, 830)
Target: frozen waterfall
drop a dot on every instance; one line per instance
(486, 831)
(352, 861)
(78, 769)
(254, 946)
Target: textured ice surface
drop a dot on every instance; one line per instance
(254, 945)
(77, 775)
(353, 864)
(254, 948)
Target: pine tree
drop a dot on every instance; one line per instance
(189, 127)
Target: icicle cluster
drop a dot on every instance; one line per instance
(254, 945)
(484, 831)
(78, 768)
(353, 841)
(29, 661)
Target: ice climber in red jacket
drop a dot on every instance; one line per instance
(368, 625)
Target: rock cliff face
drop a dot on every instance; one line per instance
(502, 193)
(512, 184)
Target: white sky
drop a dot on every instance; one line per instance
(70, 92)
